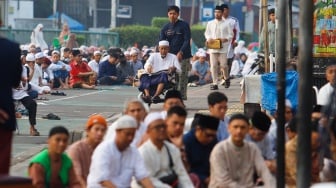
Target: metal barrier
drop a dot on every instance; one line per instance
(88, 38)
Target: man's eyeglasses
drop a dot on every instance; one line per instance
(159, 127)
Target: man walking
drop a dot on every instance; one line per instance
(219, 29)
(177, 33)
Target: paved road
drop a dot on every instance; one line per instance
(77, 105)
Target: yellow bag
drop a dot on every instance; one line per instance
(214, 44)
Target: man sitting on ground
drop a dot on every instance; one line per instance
(81, 75)
(60, 71)
(108, 73)
(81, 151)
(162, 159)
(157, 62)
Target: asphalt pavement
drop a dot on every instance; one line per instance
(78, 104)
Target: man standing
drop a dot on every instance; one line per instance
(234, 23)
(270, 33)
(219, 29)
(233, 162)
(115, 162)
(177, 33)
(10, 76)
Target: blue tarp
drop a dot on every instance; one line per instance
(269, 91)
(73, 24)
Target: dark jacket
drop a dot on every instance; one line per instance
(10, 76)
(178, 35)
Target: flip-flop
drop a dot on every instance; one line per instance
(51, 116)
(58, 93)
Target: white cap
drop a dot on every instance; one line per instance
(55, 52)
(125, 122)
(152, 117)
(288, 103)
(163, 43)
(127, 53)
(97, 53)
(201, 54)
(133, 52)
(30, 57)
(84, 59)
(39, 55)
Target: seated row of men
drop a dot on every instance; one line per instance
(154, 151)
(76, 73)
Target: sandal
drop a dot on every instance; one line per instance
(34, 132)
(58, 93)
(51, 116)
(42, 98)
(147, 99)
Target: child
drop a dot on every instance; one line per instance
(51, 167)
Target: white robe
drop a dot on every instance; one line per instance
(109, 164)
(157, 164)
(159, 64)
(324, 94)
(37, 37)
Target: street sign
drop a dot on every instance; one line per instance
(207, 13)
(124, 11)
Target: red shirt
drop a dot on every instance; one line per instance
(77, 68)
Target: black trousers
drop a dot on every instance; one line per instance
(30, 104)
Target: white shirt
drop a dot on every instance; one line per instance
(216, 29)
(58, 66)
(21, 91)
(324, 94)
(234, 24)
(94, 65)
(159, 64)
(109, 164)
(37, 74)
(157, 164)
(111, 133)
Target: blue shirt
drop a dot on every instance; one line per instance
(178, 35)
(198, 155)
(265, 145)
(201, 68)
(222, 131)
(107, 69)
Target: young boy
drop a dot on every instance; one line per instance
(51, 167)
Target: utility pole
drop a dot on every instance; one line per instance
(60, 10)
(114, 5)
(264, 6)
(289, 39)
(305, 93)
(192, 15)
(178, 3)
(280, 59)
(95, 14)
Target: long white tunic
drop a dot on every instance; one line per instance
(109, 164)
(158, 63)
(216, 29)
(234, 167)
(157, 164)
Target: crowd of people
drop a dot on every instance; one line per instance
(160, 149)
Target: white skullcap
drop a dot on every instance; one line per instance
(84, 59)
(163, 43)
(125, 122)
(202, 54)
(127, 53)
(97, 53)
(288, 104)
(45, 52)
(133, 52)
(39, 55)
(152, 117)
(30, 57)
(201, 50)
(241, 43)
(55, 52)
